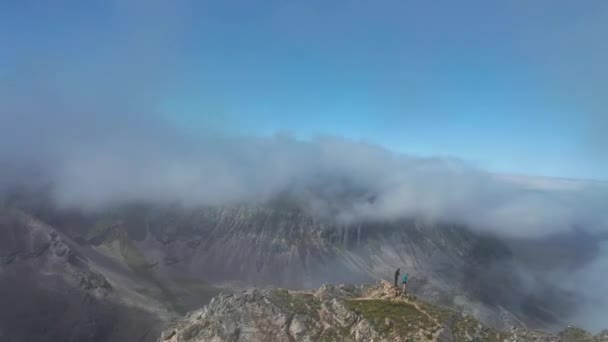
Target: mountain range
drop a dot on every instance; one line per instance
(123, 273)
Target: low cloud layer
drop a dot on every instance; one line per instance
(103, 159)
(225, 171)
(96, 147)
(86, 120)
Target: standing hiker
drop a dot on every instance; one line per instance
(396, 277)
(404, 281)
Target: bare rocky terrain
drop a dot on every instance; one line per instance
(343, 313)
(50, 291)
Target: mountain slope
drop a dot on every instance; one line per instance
(245, 246)
(167, 260)
(50, 291)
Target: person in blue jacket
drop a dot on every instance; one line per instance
(404, 281)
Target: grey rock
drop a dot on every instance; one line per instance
(332, 314)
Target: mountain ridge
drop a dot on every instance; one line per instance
(168, 260)
(343, 313)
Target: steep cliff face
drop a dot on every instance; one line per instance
(344, 313)
(261, 246)
(269, 246)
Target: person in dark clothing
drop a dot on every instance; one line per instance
(396, 277)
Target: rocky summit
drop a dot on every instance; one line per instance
(343, 313)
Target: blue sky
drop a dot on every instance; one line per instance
(513, 86)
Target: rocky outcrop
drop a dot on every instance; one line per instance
(345, 313)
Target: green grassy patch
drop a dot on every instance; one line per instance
(467, 328)
(133, 257)
(576, 335)
(441, 314)
(136, 261)
(389, 317)
(297, 302)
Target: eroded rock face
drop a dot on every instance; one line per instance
(29, 249)
(346, 313)
(49, 292)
